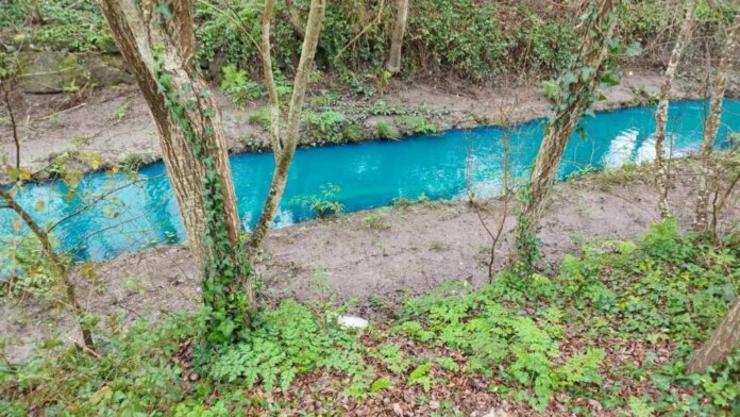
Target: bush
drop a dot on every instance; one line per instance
(327, 127)
(238, 87)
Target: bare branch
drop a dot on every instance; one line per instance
(56, 262)
(364, 30)
(95, 201)
(13, 125)
(266, 55)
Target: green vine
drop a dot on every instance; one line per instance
(226, 267)
(573, 95)
(527, 242)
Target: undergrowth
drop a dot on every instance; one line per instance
(613, 326)
(472, 40)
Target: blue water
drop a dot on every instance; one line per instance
(369, 175)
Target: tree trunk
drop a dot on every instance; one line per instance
(575, 97)
(57, 264)
(156, 39)
(285, 149)
(399, 29)
(13, 124)
(724, 340)
(661, 113)
(711, 125)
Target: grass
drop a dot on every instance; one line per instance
(610, 330)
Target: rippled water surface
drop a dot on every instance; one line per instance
(368, 175)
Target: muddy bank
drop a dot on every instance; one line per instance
(374, 257)
(115, 122)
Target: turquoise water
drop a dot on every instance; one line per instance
(371, 174)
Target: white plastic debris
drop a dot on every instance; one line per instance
(352, 322)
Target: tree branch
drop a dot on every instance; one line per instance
(266, 55)
(364, 30)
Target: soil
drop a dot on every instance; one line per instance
(115, 122)
(376, 261)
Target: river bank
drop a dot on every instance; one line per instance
(114, 123)
(376, 258)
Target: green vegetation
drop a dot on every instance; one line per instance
(470, 40)
(325, 204)
(418, 124)
(238, 87)
(614, 326)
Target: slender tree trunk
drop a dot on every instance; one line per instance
(661, 113)
(399, 29)
(13, 125)
(724, 340)
(59, 268)
(156, 38)
(711, 125)
(285, 149)
(575, 97)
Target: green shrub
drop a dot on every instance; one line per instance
(25, 270)
(325, 204)
(326, 127)
(664, 241)
(418, 124)
(238, 87)
(387, 131)
(462, 36)
(260, 118)
(287, 341)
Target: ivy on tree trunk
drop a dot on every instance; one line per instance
(576, 94)
(156, 39)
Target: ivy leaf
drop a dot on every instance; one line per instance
(550, 89)
(19, 174)
(569, 78)
(633, 50)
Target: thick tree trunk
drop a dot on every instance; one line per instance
(724, 340)
(156, 38)
(144, 37)
(574, 99)
(661, 113)
(59, 266)
(285, 149)
(716, 93)
(399, 29)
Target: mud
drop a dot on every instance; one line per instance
(375, 258)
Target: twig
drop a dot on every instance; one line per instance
(364, 30)
(89, 351)
(14, 126)
(94, 202)
(49, 116)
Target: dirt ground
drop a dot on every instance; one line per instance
(115, 123)
(376, 261)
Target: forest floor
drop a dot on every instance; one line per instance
(376, 258)
(115, 123)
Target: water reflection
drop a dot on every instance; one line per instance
(369, 175)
